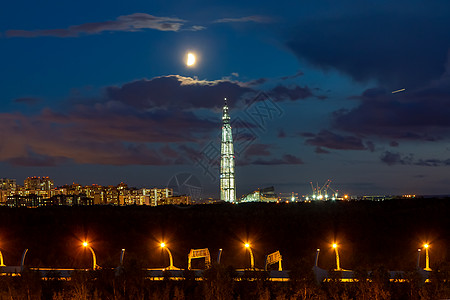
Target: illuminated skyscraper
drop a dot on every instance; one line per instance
(227, 183)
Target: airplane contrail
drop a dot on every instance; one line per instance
(397, 91)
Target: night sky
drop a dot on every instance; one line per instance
(99, 92)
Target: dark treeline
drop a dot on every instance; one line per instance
(369, 233)
(378, 236)
(220, 283)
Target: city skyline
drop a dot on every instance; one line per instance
(358, 93)
(41, 191)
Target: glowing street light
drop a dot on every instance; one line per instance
(427, 258)
(252, 260)
(1, 260)
(170, 267)
(94, 258)
(338, 267)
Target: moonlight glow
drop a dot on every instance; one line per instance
(190, 61)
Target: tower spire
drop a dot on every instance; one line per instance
(227, 182)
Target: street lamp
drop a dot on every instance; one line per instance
(418, 258)
(94, 258)
(338, 267)
(171, 267)
(1, 260)
(252, 260)
(427, 258)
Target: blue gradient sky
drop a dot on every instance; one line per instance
(98, 92)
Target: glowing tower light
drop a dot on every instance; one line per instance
(227, 182)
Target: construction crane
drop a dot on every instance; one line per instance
(321, 192)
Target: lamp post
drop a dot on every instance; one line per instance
(122, 254)
(252, 260)
(338, 267)
(427, 258)
(171, 267)
(1, 260)
(418, 258)
(218, 256)
(94, 258)
(316, 263)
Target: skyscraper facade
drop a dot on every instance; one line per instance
(227, 182)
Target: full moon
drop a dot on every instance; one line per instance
(190, 60)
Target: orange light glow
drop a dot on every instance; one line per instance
(335, 245)
(85, 244)
(426, 246)
(247, 245)
(163, 245)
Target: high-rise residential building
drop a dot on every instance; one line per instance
(227, 181)
(8, 184)
(159, 196)
(38, 183)
(8, 187)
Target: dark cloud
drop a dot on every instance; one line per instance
(330, 140)
(395, 158)
(393, 144)
(433, 162)
(307, 134)
(292, 93)
(255, 19)
(169, 151)
(286, 159)
(371, 93)
(32, 159)
(133, 22)
(178, 92)
(141, 122)
(399, 49)
(99, 134)
(191, 154)
(370, 145)
(258, 81)
(258, 150)
(320, 150)
(298, 74)
(28, 100)
(411, 115)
